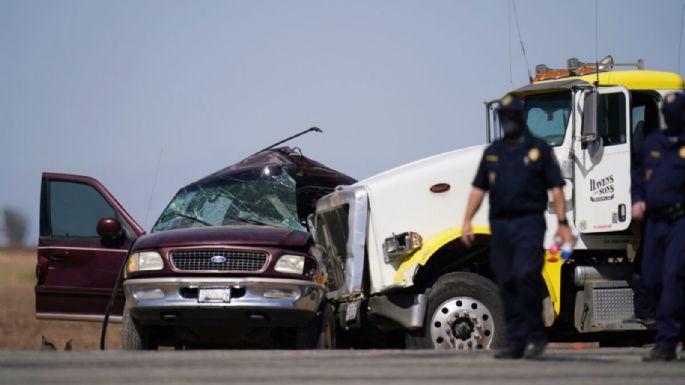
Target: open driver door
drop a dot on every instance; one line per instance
(85, 235)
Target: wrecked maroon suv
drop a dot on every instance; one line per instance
(228, 263)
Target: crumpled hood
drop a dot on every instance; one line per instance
(251, 235)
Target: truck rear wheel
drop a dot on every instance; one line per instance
(464, 312)
(135, 336)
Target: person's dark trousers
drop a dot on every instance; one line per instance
(517, 258)
(663, 268)
(644, 299)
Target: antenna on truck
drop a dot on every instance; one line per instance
(680, 42)
(511, 81)
(523, 49)
(312, 129)
(597, 39)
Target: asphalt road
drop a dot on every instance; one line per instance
(590, 366)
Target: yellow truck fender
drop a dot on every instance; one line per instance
(404, 275)
(407, 269)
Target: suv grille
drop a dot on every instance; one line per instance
(221, 260)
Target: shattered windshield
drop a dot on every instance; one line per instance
(264, 196)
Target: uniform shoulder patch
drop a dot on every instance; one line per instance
(534, 154)
(491, 158)
(655, 154)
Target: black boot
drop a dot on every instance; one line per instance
(510, 352)
(660, 354)
(648, 322)
(534, 349)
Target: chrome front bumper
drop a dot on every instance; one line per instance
(275, 300)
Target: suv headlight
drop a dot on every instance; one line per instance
(144, 260)
(293, 264)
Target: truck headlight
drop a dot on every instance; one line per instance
(144, 260)
(399, 246)
(293, 264)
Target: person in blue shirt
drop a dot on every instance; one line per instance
(659, 197)
(517, 171)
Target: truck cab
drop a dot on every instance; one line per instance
(229, 262)
(396, 235)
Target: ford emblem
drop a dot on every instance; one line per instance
(218, 259)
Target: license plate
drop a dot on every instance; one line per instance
(214, 295)
(351, 311)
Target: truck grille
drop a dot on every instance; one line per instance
(218, 260)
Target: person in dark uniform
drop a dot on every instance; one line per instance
(644, 300)
(517, 170)
(660, 197)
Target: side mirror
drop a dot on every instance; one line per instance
(311, 225)
(589, 129)
(109, 228)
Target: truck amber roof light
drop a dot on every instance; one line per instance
(541, 69)
(550, 74)
(575, 67)
(573, 64)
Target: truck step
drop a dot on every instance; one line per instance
(604, 306)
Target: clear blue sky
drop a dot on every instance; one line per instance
(100, 87)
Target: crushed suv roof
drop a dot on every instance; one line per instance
(277, 187)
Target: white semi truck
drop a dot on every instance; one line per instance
(397, 268)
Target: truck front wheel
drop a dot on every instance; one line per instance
(464, 312)
(135, 336)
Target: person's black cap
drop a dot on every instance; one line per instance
(674, 104)
(673, 109)
(511, 103)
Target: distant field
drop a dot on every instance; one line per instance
(19, 329)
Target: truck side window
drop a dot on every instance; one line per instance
(611, 119)
(644, 114)
(75, 209)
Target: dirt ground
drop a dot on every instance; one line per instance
(19, 329)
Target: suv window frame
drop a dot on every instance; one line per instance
(51, 206)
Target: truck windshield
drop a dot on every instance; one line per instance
(547, 116)
(258, 197)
